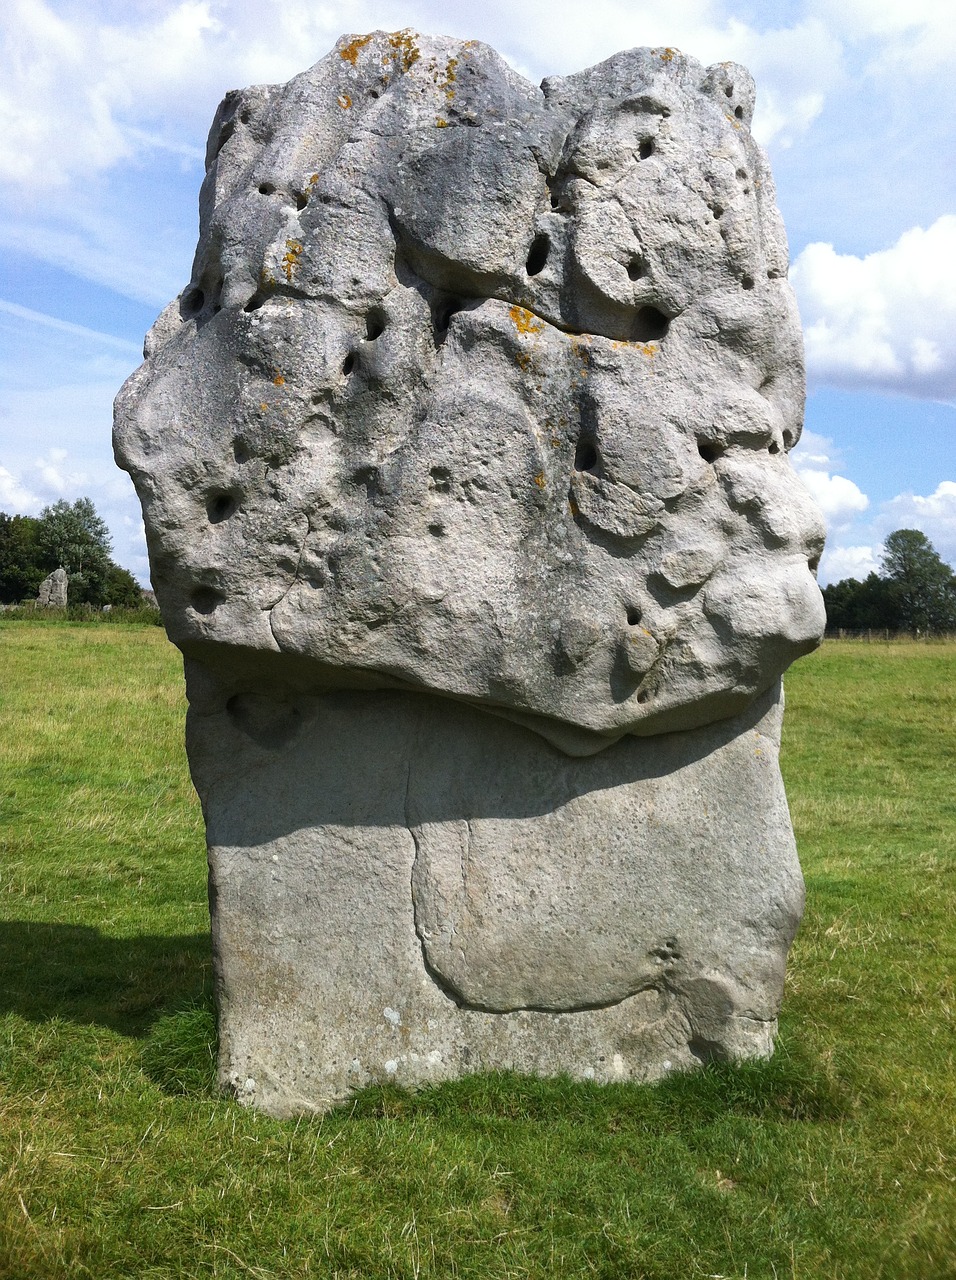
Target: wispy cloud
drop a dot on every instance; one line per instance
(65, 326)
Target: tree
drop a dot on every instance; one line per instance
(67, 534)
(922, 586)
(74, 536)
(21, 567)
(860, 606)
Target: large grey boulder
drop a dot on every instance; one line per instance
(477, 410)
(53, 590)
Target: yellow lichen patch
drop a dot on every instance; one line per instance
(313, 180)
(524, 361)
(344, 101)
(263, 407)
(441, 124)
(646, 348)
(351, 51)
(290, 259)
(668, 55)
(525, 321)
(540, 480)
(406, 52)
(278, 380)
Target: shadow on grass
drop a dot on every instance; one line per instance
(80, 974)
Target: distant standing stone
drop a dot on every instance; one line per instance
(463, 462)
(53, 590)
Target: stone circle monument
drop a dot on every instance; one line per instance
(463, 460)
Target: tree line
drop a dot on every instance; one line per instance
(914, 591)
(70, 535)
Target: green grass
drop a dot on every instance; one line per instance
(117, 1159)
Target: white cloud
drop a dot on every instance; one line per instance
(849, 562)
(915, 36)
(886, 321)
(15, 498)
(838, 498)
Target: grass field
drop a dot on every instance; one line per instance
(117, 1159)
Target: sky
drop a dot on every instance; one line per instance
(104, 109)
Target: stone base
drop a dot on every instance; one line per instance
(409, 889)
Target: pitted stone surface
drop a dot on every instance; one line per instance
(480, 400)
(486, 389)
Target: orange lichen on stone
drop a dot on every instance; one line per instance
(540, 480)
(313, 180)
(290, 259)
(278, 380)
(344, 101)
(351, 51)
(525, 321)
(406, 52)
(441, 124)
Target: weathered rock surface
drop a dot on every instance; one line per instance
(407, 888)
(480, 400)
(54, 589)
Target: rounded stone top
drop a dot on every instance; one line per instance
(485, 389)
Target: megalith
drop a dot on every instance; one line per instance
(463, 462)
(53, 590)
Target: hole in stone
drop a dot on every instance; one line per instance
(267, 189)
(443, 314)
(206, 600)
(739, 112)
(220, 505)
(244, 115)
(216, 309)
(633, 615)
(193, 302)
(255, 302)
(374, 326)
(729, 90)
(742, 175)
(644, 695)
(773, 447)
(789, 439)
(646, 149)
(436, 530)
(301, 200)
(440, 480)
(650, 324)
(709, 450)
(636, 268)
(717, 210)
(585, 456)
(374, 93)
(747, 282)
(538, 254)
(240, 451)
(348, 364)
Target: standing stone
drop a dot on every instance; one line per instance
(463, 461)
(53, 590)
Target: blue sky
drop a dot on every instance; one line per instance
(104, 108)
